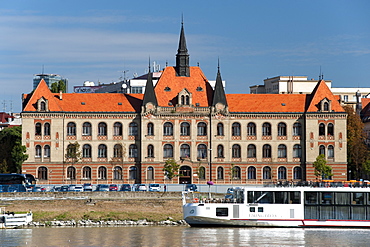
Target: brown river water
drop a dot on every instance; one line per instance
(182, 236)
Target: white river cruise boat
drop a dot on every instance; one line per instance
(13, 220)
(281, 207)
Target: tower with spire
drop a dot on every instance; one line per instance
(182, 56)
(219, 96)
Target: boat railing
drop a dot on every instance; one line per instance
(196, 197)
(320, 184)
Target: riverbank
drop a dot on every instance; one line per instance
(91, 212)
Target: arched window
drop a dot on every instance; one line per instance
(150, 129)
(281, 151)
(297, 129)
(182, 100)
(38, 129)
(167, 151)
(235, 129)
(42, 106)
(132, 151)
(102, 129)
(220, 151)
(202, 151)
(150, 173)
(86, 129)
(117, 151)
(266, 151)
(281, 129)
(220, 129)
(202, 172)
(86, 151)
(321, 129)
(102, 151)
(47, 151)
(297, 172)
(168, 129)
(326, 106)
(72, 150)
(282, 172)
(187, 100)
(47, 129)
(184, 151)
(330, 151)
(236, 172)
(42, 173)
(322, 149)
(38, 151)
(251, 172)
(266, 129)
(331, 129)
(71, 129)
(202, 129)
(266, 174)
(251, 129)
(86, 172)
(133, 172)
(150, 151)
(117, 173)
(236, 151)
(71, 172)
(133, 129)
(297, 151)
(251, 151)
(102, 172)
(117, 129)
(185, 129)
(220, 172)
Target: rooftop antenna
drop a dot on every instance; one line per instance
(4, 105)
(42, 69)
(11, 106)
(321, 75)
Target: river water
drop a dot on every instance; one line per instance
(182, 236)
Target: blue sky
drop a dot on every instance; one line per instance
(96, 40)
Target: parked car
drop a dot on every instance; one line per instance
(64, 188)
(140, 187)
(126, 187)
(88, 187)
(55, 189)
(113, 187)
(38, 189)
(102, 187)
(191, 187)
(71, 187)
(154, 187)
(79, 188)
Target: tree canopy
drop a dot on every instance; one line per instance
(322, 170)
(171, 169)
(56, 87)
(73, 152)
(357, 152)
(12, 152)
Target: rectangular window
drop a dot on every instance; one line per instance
(222, 212)
(136, 89)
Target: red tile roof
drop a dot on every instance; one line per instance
(320, 92)
(178, 83)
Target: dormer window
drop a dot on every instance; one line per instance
(185, 98)
(199, 89)
(167, 89)
(325, 105)
(42, 105)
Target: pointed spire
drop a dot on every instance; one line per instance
(182, 56)
(149, 95)
(219, 92)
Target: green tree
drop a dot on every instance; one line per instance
(171, 169)
(12, 152)
(322, 170)
(73, 152)
(357, 152)
(56, 87)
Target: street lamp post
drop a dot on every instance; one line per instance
(210, 164)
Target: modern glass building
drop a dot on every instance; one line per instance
(49, 79)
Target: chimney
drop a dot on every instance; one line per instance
(60, 95)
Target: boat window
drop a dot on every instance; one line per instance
(222, 212)
(311, 198)
(342, 198)
(295, 197)
(252, 209)
(326, 197)
(260, 209)
(281, 197)
(358, 198)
